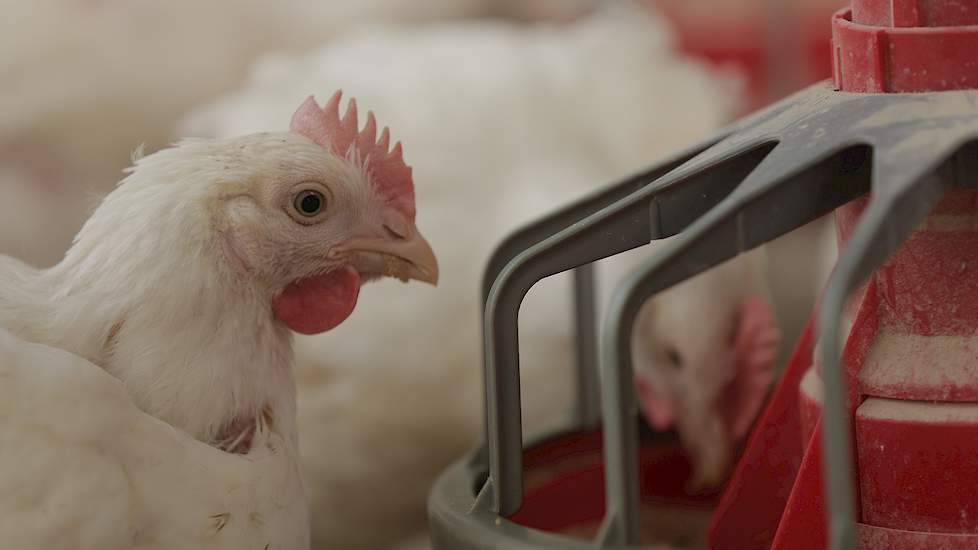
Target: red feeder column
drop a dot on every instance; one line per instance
(912, 353)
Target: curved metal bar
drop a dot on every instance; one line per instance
(534, 232)
(592, 239)
(628, 223)
(752, 215)
(892, 215)
(552, 223)
(585, 405)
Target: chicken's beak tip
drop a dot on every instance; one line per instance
(426, 275)
(434, 273)
(409, 257)
(429, 274)
(424, 263)
(431, 279)
(405, 253)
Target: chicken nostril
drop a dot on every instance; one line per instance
(393, 233)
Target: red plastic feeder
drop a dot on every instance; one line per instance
(911, 357)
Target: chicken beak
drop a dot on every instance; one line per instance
(418, 260)
(405, 252)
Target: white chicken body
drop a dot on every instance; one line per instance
(81, 468)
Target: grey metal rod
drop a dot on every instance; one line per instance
(621, 524)
(605, 236)
(892, 215)
(586, 402)
(551, 224)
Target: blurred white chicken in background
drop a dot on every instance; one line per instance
(83, 82)
(504, 122)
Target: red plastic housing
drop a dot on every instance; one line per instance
(906, 46)
(734, 33)
(911, 358)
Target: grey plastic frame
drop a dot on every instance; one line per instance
(758, 179)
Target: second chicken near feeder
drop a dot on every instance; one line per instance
(705, 354)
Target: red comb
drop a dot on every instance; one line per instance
(385, 169)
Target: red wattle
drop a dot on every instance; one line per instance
(319, 303)
(755, 350)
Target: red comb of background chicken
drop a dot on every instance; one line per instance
(385, 169)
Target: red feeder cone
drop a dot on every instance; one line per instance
(911, 356)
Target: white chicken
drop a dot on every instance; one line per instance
(705, 353)
(505, 122)
(284, 223)
(186, 281)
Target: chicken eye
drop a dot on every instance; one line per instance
(672, 355)
(309, 203)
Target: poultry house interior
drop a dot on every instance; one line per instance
(203, 344)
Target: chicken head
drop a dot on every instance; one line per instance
(705, 352)
(316, 228)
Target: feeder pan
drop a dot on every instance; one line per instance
(870, 438)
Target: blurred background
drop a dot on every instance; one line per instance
(507, 109)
